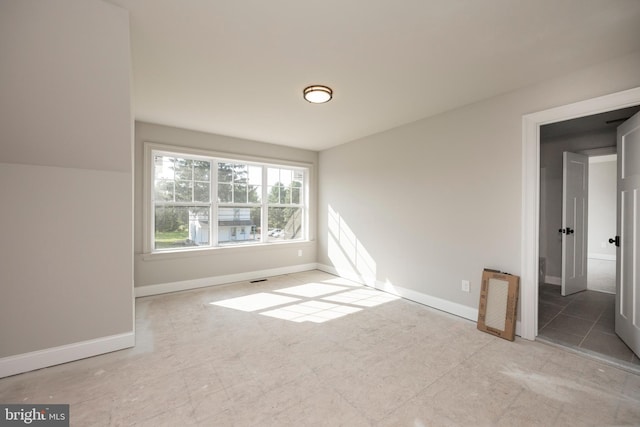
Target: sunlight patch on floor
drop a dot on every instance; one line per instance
(316, 302)
(255, 302)
(311, 290)
(311, 311)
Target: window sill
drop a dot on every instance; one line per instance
(219, 250)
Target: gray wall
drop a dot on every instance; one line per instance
(169, 268)
(551, 150)
(602, 208)
(65, 174)
(433, 202)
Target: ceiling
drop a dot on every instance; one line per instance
(238, 67)
(603, 122)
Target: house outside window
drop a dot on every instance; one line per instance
(205, 201)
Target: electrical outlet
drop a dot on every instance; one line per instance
(466, 286)
(299, 252)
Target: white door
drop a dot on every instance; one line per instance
(628, 234)
(575, 193)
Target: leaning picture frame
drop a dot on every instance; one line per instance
(498, 304)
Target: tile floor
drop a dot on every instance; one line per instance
(310, 349)
(583, 321)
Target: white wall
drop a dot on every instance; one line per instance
(602, 207)
(433, 202)
(65, 182)
(162, 269)
(551, 150)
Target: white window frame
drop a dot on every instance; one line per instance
(151, 149)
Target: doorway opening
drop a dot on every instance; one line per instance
(528, 324)
(583, 317)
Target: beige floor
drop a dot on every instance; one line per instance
(310, 349)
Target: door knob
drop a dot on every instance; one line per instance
(570, 230)
(615, 240)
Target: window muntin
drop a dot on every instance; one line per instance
(239, 203)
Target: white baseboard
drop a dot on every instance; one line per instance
(553, 280)
(603, 291)
(456, 309)
(604, 257)
(184, 285)
(346, 274)
(26, 362)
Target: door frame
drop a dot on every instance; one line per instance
(530, 217)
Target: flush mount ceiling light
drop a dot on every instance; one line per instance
(317, 94)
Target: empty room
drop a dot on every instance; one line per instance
(226, 213)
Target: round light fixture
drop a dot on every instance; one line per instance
(317, 94)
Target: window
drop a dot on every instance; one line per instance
(239, 202)
(202, 201)
(182, 202)
(285, 209)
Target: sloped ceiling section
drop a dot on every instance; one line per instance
(238, 68)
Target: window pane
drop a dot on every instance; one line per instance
(238, 225)
(201, 170)
(184, 191)
(274, 194)
(225, 172)
(255, 175)
(201, 192)
(199, 226)
(183, 169)
(240, 173)
(240, 193)
(181, 226)
(255, 194)
(225, 193)
(295, 195)
(163, 190)
(285, 224)
(157, 166)
(285, 177)
(284, 194)
(273, 176)
(163, 167)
